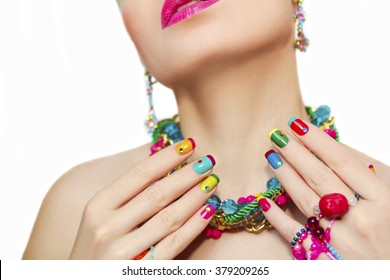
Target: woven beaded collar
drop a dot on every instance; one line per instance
(246, 212)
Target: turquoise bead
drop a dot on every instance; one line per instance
(229, 206)
(215, 201)
(273, 184)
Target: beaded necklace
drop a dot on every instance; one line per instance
(246, 212)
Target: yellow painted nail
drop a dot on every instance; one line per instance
(185, 146)
(209, 183)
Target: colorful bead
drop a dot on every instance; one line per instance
(229, 206)
(215, 201)
(333, 205)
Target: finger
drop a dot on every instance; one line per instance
(303, 196)
(286, 226)
(316, 174)
(338, 158)
(162, 193)
(168, 220)
(178, 241)
(143, 174)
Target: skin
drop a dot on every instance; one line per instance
(230, 66)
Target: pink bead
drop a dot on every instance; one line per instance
(242, 200)
(282, 200)
(287, 195)
(304, 235)
(332, 133)
(216, 233)
(250, 198)
(327, 235)
(299, 252)
(208, 232)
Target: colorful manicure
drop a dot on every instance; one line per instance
(274, 159)
(298, 126)
(278, 137)
(185, 146)
(204, 164)
(264, 204)
(207, 212)
(209, 183)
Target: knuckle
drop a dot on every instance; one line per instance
(341, 160)
(139, 170)
(321, 175)
(168, 219)
(155, 196)
(176, 242)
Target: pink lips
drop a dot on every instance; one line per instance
(170, 14)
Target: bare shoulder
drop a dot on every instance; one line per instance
(60, 213)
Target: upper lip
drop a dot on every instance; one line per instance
(170, 7)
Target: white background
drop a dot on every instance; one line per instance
(71, 89)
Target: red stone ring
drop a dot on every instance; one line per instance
(335, 205)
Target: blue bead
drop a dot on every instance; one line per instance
(273, 183)
(321, 114)
(173, 132)
(215, 201)
(229, 206)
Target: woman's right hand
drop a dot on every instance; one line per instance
(143, 208)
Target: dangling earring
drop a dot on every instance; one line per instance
(301, 43)
(151, 120)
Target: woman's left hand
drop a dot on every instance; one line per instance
(312, 165)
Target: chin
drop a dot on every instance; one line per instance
(224, 32)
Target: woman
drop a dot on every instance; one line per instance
(235, 80)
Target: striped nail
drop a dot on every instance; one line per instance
(207, 212)
(278, 137)
(209, 183)
(185, 146)
(298, 126)
(274, 159)
(204, 164)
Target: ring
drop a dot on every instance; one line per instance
(334, 205)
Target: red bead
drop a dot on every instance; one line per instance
(216, 233)
(208, 232)
(312, 222)
(282, 200)
(318, 232)
(333, 205)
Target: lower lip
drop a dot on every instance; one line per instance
(189, 11)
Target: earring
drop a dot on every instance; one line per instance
(151, 120)
(301, 43)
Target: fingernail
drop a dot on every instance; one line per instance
(264, 204)
(274, 159)
(278, 137)
(207, 212)
(204, 164)
(298, 126)
(209, 183)
(185, 146)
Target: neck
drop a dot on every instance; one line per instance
(229, 112)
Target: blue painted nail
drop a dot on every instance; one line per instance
(204, 164)
(274, 159)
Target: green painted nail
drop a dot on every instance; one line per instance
(278, 137)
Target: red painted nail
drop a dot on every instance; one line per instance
(207, 212)
(298, 126)
(264, 204)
